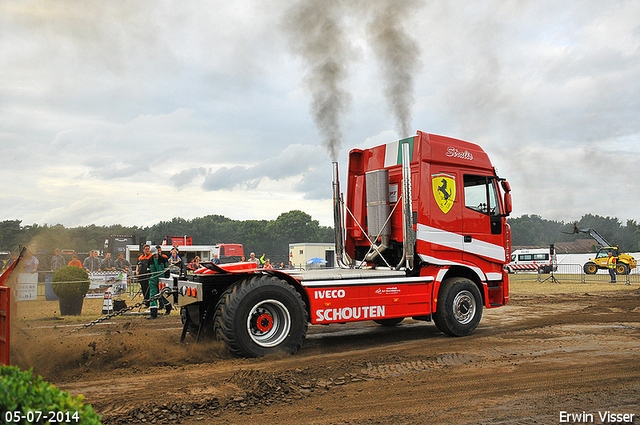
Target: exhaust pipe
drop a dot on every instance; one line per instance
(409, 237)
(338, 223)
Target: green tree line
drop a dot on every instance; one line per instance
(260, 236)
(533, 230)
(274, 236)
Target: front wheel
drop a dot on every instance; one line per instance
(459, 307)
(590, 268)
(261, 315)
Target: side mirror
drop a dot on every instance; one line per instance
(508, 203)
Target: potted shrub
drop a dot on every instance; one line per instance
(70, 284)
(27, 398)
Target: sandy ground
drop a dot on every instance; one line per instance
(527, 363)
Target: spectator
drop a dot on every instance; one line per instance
(174, 260)
(75, 262)
(165, 266)
(267, 264)
(156, 268)
(107, 265)
(30, 262)
(160, 254)
(57, 260)
(243, 259)
(92, 262)
(164, 259)
(195, 264)
(215, 259)
(157, 265)
(253, 259)
(142, 271)
(121, 264)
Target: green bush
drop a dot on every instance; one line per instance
(27, 395)
(70, 281)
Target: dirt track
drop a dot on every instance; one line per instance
(526, 363)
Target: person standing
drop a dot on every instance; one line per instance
(121, 264)
(156, 268)
(92, 262)
(107, 265)
(611, 265)
(142, 272)
(164, 304)
(30, 262)
(253, 259)
(57, 260)
(74, 261)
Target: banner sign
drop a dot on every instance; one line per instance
(27, 287)
(100, 281)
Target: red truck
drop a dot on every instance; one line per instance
(422, 234)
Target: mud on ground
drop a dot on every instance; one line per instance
(527, 362)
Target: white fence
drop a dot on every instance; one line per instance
(570, 266)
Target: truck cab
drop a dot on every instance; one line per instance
(459, 207)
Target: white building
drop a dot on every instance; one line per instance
(300, 253)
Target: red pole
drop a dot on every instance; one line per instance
(5, 324)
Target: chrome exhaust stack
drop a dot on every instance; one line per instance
(409, 236)
(338, 222)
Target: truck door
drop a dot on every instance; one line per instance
(443, 217)
(482, 225)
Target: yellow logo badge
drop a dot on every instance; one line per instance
(444, 190)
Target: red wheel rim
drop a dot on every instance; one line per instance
(264, 322)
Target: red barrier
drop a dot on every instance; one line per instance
(5, 326)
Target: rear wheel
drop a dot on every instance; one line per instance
(389, 322)
(261, 315)
(590, 268)
(622, 268)
(459, 307)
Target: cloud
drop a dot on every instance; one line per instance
(294, 161)
(150, 104)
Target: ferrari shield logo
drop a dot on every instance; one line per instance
(444, 190)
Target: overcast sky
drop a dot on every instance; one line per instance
(133, 112)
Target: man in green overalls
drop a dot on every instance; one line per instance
(157, 266)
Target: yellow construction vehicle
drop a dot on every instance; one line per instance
(624, 262)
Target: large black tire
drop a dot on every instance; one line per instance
(260, 316)
(389, 322)
(459, 307)
(590, 268)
